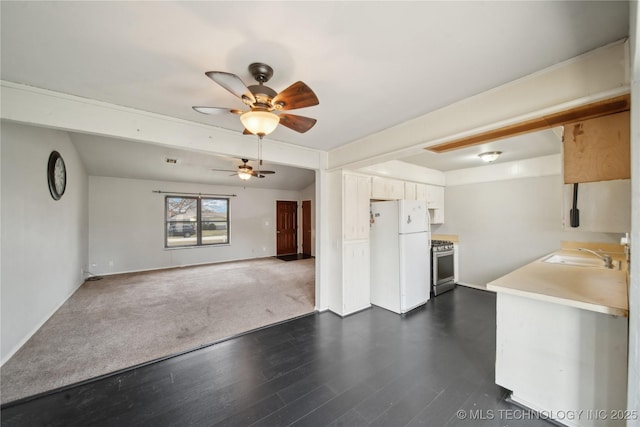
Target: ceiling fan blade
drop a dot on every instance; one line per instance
(233, 84)
(297, 123)
(224, 170)
(267, 172)
(298, 95)
(216, 110)
(246, 132)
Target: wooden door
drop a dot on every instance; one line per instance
(306, 227)
(286, 227)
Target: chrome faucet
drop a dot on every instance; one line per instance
(606, 258)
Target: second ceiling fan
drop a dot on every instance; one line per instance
(263, 101)
(245, 172)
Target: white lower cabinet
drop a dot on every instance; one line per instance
(562, 360)
(355, 277)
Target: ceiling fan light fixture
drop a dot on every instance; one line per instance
(490, 156)
(259, 122)
(243, 175)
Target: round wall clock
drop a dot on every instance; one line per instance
(57, 175)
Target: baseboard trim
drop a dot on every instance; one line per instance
(199, 264)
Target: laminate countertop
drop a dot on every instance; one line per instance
(590, 288)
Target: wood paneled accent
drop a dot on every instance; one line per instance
(597, 149)
(589, 111)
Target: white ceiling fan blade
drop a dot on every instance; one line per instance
(216, 110)
(233, 84)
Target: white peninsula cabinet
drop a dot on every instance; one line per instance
(561, 339)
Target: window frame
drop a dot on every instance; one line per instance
(198, 222)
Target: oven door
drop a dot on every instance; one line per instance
(442, 267)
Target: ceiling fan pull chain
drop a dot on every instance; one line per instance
(259, 152)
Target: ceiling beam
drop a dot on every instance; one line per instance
(46, 108)
(583, 112)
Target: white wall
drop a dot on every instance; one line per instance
(503, 225)
(44, 241)
(126, 223)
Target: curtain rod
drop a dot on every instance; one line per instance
(193, 194)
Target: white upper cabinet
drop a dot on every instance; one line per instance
(387, 189)
(421, 191)
(435, 203)
(437, 216)
(410, 191)
(356, 207)
(435, 196)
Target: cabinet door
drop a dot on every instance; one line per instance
(396, 189)
(437, 216)
(435, 196)
(356, 287)
(431, 196)
(439, 197)
(350, 207)
(421, 192)
(410, 191)
(363, 208)
(355, 215)
(597, 149)
(379, 188)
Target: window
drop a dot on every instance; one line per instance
(196, 221)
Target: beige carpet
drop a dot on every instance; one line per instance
(128, 319)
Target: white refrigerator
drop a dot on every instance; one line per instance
(400, 254)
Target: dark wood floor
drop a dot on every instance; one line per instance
(372, 368)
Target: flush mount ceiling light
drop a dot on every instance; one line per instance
(490, 156)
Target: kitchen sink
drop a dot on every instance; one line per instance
(577, 261)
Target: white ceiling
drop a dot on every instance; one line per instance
(373, 65)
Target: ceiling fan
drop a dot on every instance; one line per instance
(245, 172)
(263, 101)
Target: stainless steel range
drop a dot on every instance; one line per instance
(442, 267)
